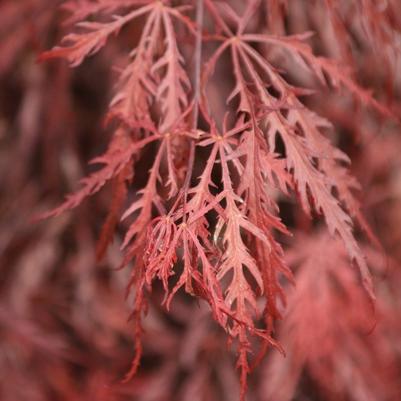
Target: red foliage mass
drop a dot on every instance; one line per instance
(231, 127)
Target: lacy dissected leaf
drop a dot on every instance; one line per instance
(173, 86)
(304, 144)
(114, 161)
(137, 87)
(147, 197)
(78, 46)
(322, 67)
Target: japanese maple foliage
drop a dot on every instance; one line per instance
(338, 312)
(232, 126)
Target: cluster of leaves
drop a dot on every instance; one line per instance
(338, 309)
(206, 218)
